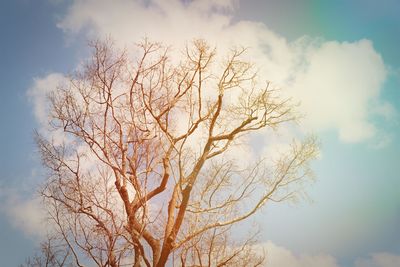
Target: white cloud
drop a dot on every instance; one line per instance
(38, 94)
(338, 83)
(25, 214)
(277, 256)
(339, 86)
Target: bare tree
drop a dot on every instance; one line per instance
(142, 174)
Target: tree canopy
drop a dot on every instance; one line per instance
(142, 171)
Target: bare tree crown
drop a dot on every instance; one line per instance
(140, 177)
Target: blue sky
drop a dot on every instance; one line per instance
(354, 214)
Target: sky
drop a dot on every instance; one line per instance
(339, 59)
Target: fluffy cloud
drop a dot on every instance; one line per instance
(338, 83)
(340, 86)
(277, 256)
(26, 214)
(38, 94)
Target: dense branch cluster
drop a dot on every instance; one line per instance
(139, 177)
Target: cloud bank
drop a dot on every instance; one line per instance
(337, 83)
